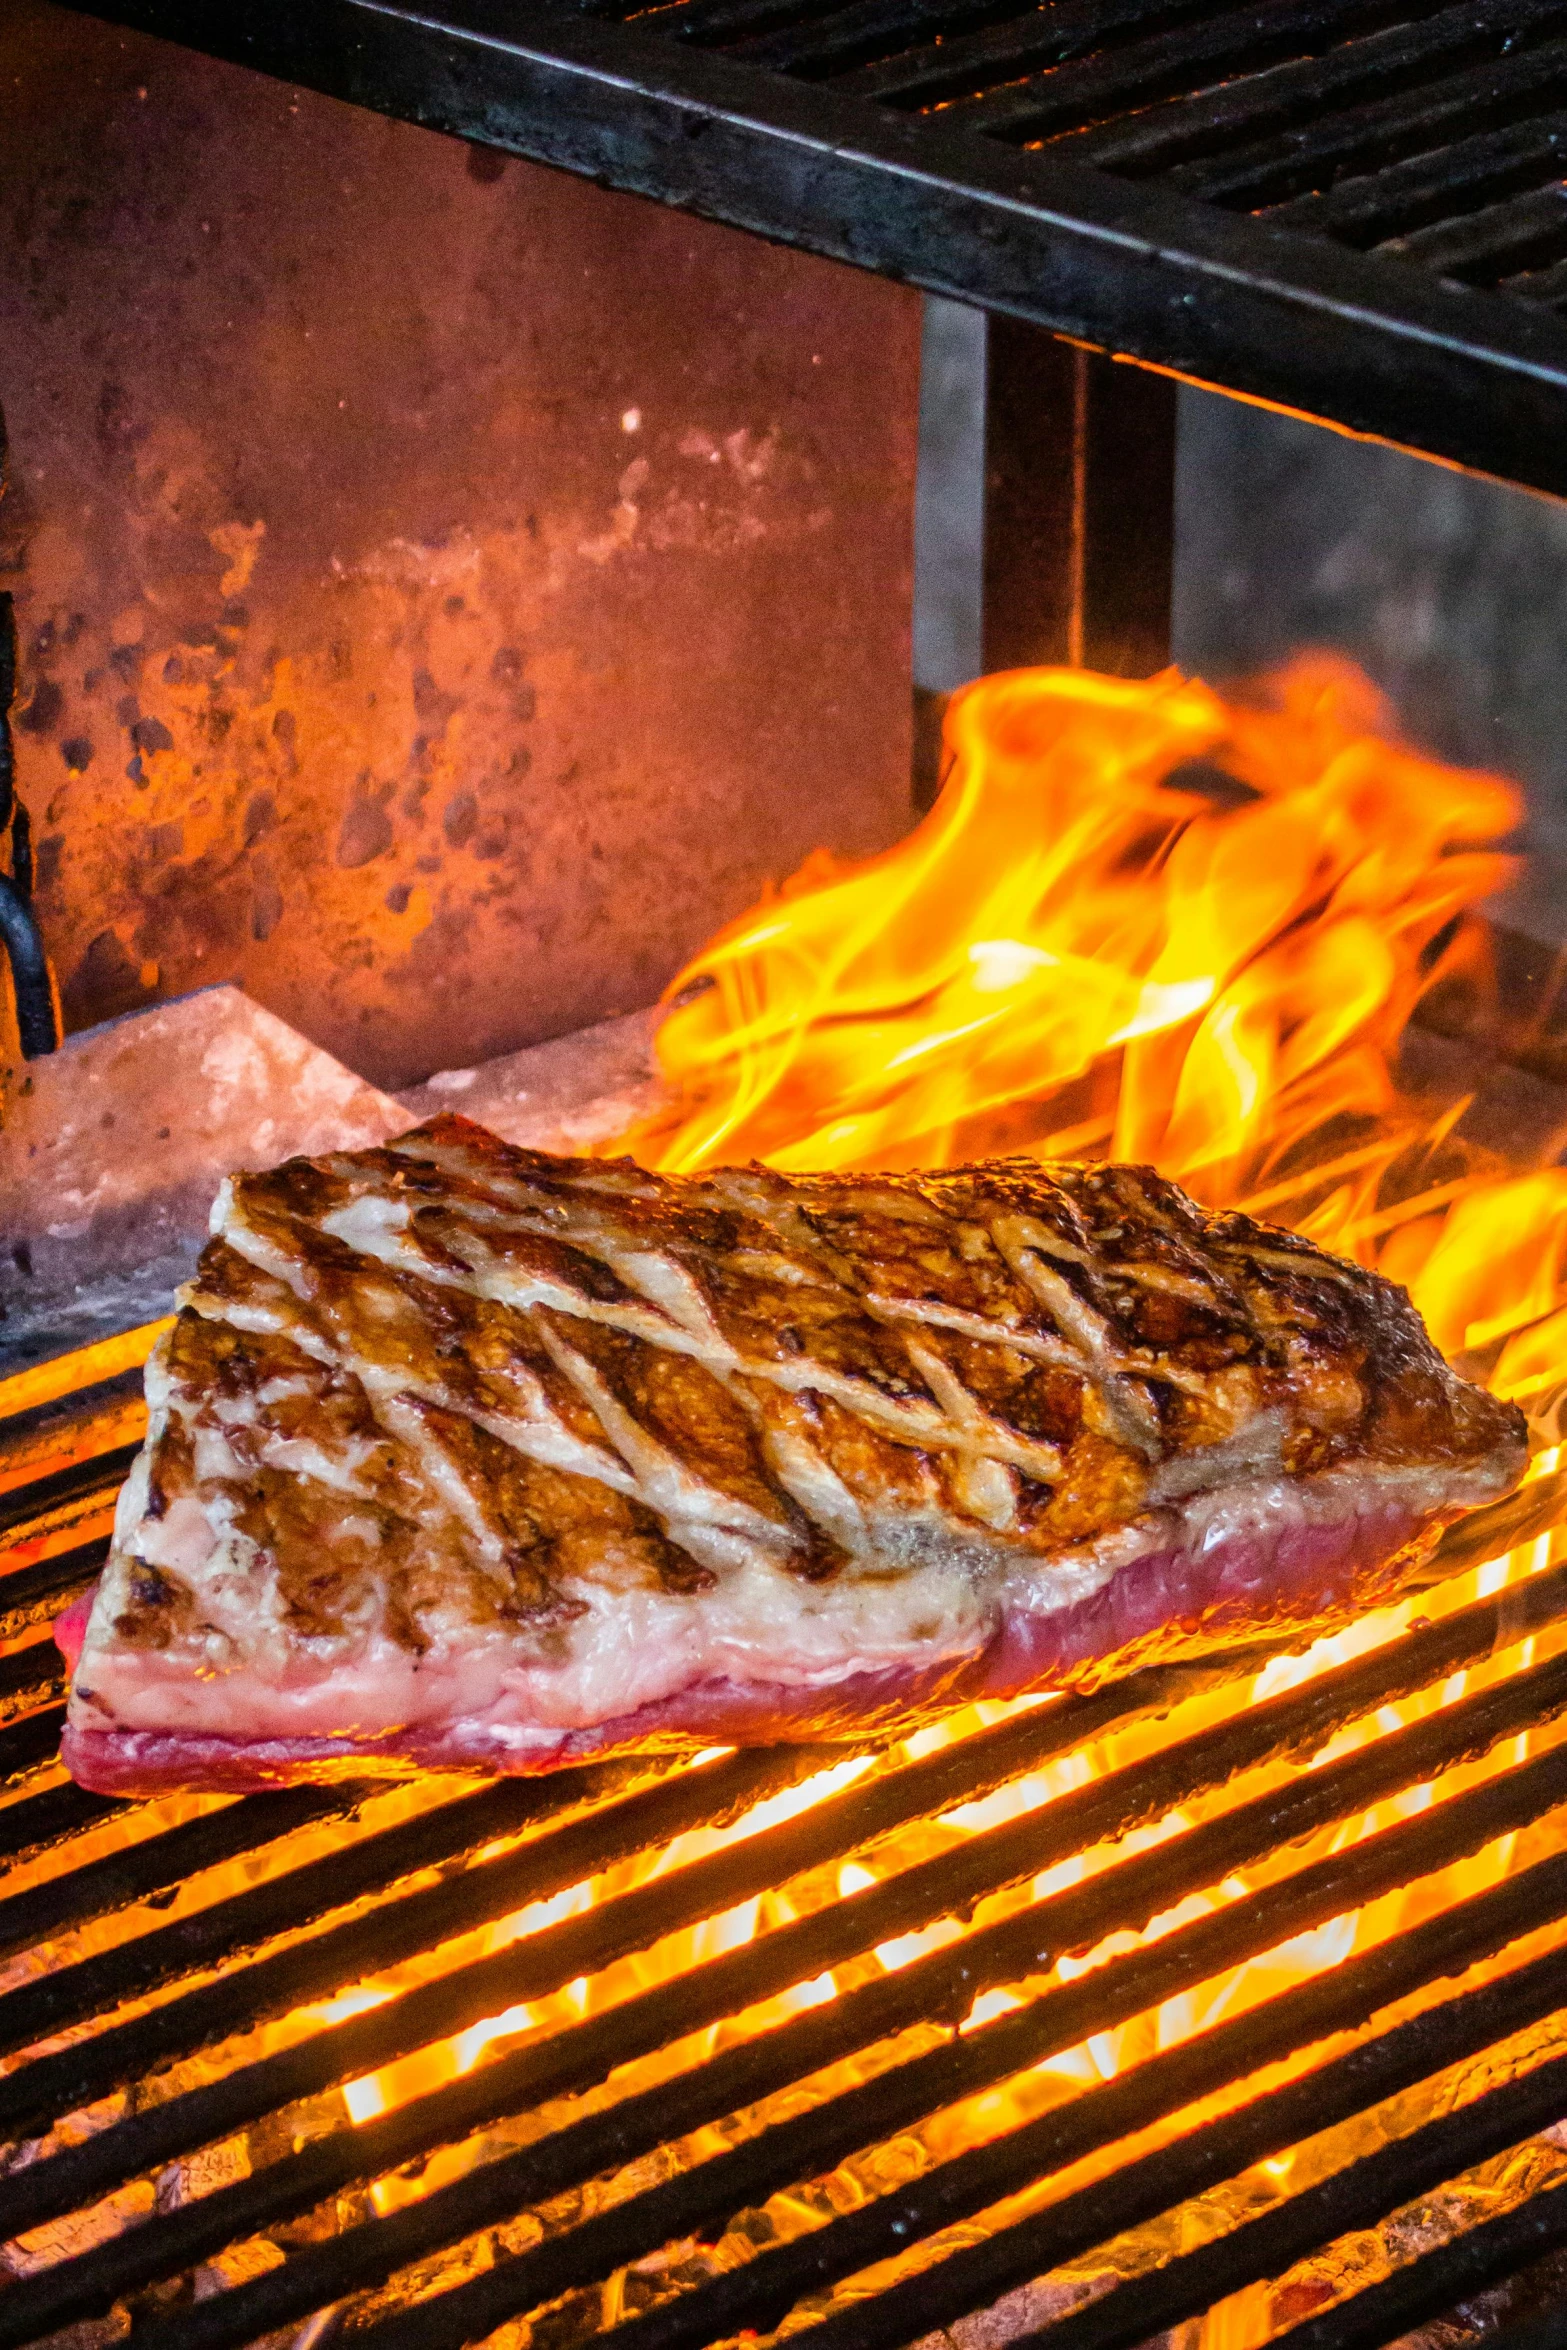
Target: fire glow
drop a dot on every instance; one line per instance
(1142, 923)
(1139, 923)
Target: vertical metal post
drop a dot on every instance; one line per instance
(1079, 506)
(1060, 464)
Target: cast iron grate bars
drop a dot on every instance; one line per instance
(1354, 208)
(608, 2135)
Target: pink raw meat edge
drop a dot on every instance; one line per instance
(1165, 1605)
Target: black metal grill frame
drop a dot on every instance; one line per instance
(310, 1926)
(1349, 208)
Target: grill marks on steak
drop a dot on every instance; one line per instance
(446, 1399)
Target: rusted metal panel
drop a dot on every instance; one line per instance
(446, 590)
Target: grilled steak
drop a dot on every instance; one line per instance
(464, 1456)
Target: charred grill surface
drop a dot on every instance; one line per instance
(276, 2228)
(260, 2204)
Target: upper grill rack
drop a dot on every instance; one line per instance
(1354, 208)
(147, 2022)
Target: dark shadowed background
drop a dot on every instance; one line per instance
(1451, 592)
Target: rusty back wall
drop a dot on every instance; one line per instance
(446, 590)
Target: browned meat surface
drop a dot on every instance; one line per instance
(461, 1453)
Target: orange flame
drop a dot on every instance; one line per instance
(1142, 922)
(1074, 894)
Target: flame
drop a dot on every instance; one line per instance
(1142, 922)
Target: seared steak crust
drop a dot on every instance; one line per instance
(460, 1453)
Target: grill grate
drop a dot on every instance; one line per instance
(146, 2035)
(1354, 208)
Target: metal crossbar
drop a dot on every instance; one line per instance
(1352, 208)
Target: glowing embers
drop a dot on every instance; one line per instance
(759, 2029)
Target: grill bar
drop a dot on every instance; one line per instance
(36, 1594)
(30, 1677)
(1058, 2019)
(1525, 232)
(1353, 2198)
(944, 1983)
(1128, 1893)
(1418, 192)
(26, 1745)
(1431, 2285)
(82, 1418)
(1195, 139)
(77, 2076)
(96, 1479)
(1533, 1510)
(760, 2293)
(816, 128)
(1543, 285)
(831, 43)
(36, 1823)
(50, 2188)
(231, 1927)
(627, 1816)
(117, 1880)
(1065, 98)
(1299, 1723)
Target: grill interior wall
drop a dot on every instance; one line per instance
(367, 658)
